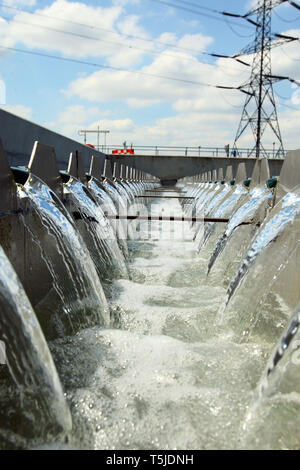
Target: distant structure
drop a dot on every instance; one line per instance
(259, 111)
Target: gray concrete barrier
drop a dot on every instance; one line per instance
(18, 136)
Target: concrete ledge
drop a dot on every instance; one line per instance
(7, 184)
(18, 136)
(43, 164)
(261, 171)
(290, 172)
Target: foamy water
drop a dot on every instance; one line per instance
(167, 373)
(166, 377)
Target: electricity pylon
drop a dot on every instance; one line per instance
(259, 110)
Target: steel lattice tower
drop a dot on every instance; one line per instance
(259, 110)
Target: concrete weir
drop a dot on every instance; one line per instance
(71, 224)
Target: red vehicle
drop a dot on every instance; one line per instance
(90, 145)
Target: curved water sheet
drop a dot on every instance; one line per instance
(135, 205)
(172, 380)
(42, 410)
(125, 193)
(194, 192)
(274, 248)
(193, 207)
(255, 211)
(229, 204)
(214, 202)
(107, 205)
(96, 231)
(273, 419)
(218, 198)
(121, 206)
(75, 279)
(200, 199)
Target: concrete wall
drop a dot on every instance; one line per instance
(290, 172)
(18, 137)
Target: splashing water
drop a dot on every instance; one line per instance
(109, 207)
(156, 384)
(168, 375)
(102, 241)
(272, 420)
(284, 215)
(70, 264)
(225, 209)
(247, 212)
(42, 405)
(121, 207)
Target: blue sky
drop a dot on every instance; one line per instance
(149, 37)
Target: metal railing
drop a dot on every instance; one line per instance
(164, 150)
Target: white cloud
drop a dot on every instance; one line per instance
(77, 30)
(189, 127)
(61, 27)
(73, 119)
(32, 30)
(149, 87)
(24, 112)
(19, 3)
(201, 115)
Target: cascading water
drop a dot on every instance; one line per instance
(225, 209)
(41, 406)
(102, 242)
(285, 213)
(121, 207)
(75, 280)
(254, 210)
(163, 378)
(109, 207)
(177, 370)
(273, 248)
(273, 416)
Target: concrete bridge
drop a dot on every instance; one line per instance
(18, 136)
(170, 169)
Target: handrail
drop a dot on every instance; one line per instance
(196, 151)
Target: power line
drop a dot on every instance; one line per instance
(286, 105)
(284, 19)
(163, 2)
(193, 4)
(230, 104)
(285, 99)
(117, 33)
(85, 25)
(291, 58)
(238, 34)
(294, 4)
(256, 10)
(278, 78)
(119, 69)
(84, 36)
(280, 96)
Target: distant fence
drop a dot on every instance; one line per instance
(161, 150)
